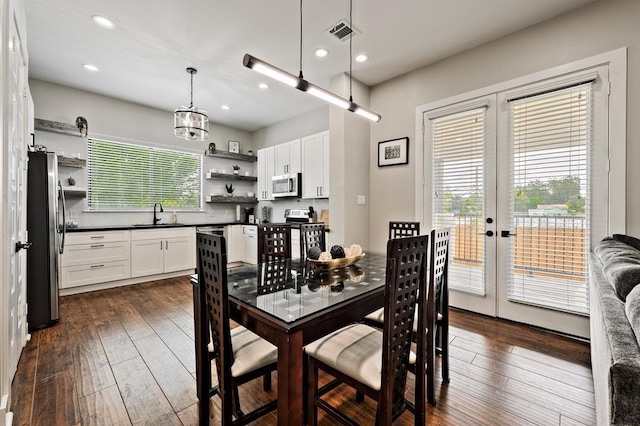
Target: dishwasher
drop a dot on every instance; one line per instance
(213, 229)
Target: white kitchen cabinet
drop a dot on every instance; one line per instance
(295, 243)
(158, 251)
(288, 157)
(250, 239)
(315, 165)
(266, 169)
(95, 257)
(235, 243)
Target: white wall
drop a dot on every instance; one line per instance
(125, 121)
(596, 28)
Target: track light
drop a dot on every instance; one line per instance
(299, 83)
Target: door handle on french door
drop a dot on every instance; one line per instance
(22, 245)
(505, 234)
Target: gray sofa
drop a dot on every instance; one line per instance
(614, 272)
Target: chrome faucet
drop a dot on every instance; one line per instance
(155, 218)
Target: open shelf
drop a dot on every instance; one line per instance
(227, 176)
(232, 156)
(74, 192)
(57, 127)
(223, 199)
(72, 162)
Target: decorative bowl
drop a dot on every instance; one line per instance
(336, 263)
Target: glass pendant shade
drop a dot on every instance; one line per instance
(191, 124)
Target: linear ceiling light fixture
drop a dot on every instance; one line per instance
(301, 84)
(189, 123)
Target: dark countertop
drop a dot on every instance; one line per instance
(148, 226)
(161, 226)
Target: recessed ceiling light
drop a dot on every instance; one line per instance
(90, 67)
(103, 22)
(361, 57)
(321, 52)
(263, 86)
(225, 107)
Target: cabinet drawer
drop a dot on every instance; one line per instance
(73, 238)
(75, 276)
(95, 253)
(159, 234)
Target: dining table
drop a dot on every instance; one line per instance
(290, 303)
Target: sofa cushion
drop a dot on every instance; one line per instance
(632, 309)
(627, 239)
(620, 265)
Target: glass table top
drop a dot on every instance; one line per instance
(290, 289)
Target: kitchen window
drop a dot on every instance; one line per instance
(124, 176)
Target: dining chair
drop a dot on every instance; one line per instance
(403, 229)
(435, 307)
(274, 241)
(240, 355)
(312, 235)
(373, 361)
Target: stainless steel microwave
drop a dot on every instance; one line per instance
(287, 185)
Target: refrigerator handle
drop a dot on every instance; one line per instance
(63, 228)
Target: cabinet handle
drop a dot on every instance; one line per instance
(160, 245)
(321, 190)
(166, 245)
(97, 237)
(97, 245)
(97, 266)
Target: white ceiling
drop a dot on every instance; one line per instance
(143, 60)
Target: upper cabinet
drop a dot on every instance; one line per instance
(315, 165)
(266, 170)
(288, 157)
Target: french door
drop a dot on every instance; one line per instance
(520, 179)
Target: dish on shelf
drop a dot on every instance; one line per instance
(337, 263)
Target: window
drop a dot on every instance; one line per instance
(133, 177)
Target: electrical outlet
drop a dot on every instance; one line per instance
(73, 214)
(361, 199)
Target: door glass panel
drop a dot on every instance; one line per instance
(551, 137)
(458, 195)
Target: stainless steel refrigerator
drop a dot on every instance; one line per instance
(46, 233)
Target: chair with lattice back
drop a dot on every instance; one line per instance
(312, 235)
(240, 355)
(403, 229)
(274, 242)
(374, 361)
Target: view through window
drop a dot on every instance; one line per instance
(125, 176)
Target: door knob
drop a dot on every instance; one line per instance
(22, 245)
(505, 234)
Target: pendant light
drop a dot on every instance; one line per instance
(301, 84)
(189, 123)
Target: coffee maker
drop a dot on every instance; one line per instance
(248, 215)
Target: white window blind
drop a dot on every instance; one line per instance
(550, 136)
(458, 194)
(128, 177)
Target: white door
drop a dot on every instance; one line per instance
(513, 176)
(147, 257)
(18, 139)
(179, 254)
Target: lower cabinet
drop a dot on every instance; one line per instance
(158, 251)
(242, 243)
(95, 257)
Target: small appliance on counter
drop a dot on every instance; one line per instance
(297, 216)
(265, 216)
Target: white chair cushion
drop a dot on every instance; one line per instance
(355, 350)
(250, 351)
(378, 316)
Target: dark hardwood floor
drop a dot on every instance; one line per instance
(125, 356)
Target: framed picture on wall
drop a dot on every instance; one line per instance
(234, 146)
(393, 152)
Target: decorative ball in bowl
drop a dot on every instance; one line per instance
(337, 257)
